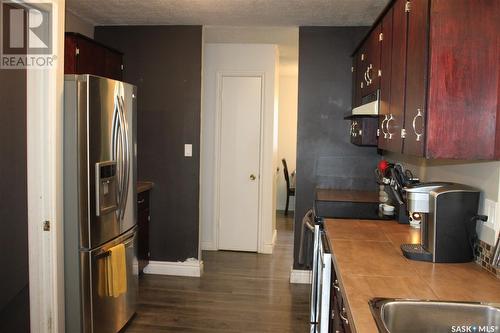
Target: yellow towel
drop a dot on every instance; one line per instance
(116, 269)
(112, 273)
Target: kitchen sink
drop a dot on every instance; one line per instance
(408, 316)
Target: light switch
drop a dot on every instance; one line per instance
(188, 150)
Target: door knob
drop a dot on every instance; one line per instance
(252, 177)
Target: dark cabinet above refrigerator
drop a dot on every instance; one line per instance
(83, 55)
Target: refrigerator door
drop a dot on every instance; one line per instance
(109, 142)
(129, 106)
(107, 313)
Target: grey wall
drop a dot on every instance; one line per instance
(165, 64)
(325, 157)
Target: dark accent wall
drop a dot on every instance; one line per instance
(14, 290)
(164, 62)
(325, 157)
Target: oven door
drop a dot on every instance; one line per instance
(324, 284)
(314, 280)
(321, 282)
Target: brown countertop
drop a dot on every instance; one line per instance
(369, 264)
(143, 186)
(346, 195)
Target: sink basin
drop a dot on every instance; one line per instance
(408, 316)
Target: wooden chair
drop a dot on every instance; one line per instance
(290, 191)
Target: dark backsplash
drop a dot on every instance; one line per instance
(165, 64)
(325, 157)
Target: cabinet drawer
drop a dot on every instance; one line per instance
(363, 131)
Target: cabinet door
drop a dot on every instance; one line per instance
(395, 120)
(372, 63)
(143, 234)
(360, 61)
(463, 103)
(416, 77)
(355, 87)
(336, 321)
(90, 59)
(364, 131)
(113, 65)
(70, 55)
(385, 78)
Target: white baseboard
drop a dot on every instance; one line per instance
(190, 267)
(268, 248)
(300, 276)
(208, 246)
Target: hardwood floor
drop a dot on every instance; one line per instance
(238, 292)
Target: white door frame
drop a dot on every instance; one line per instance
(45, 198)
(218, 128)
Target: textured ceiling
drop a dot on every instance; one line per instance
(228, 12)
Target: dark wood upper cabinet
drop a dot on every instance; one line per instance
(385, 80)
(442, 97)
(416, 77)
(393, 122)
(371, 68)
(463, 116)
(358, 76)
(366, 67)
(86, 56)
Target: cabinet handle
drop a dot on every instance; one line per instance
(414, 124)
(354, 129)
(343, 316)
(382, 126)
(336, 285)
(141, 201)
(370, 80)
(366, 77)
(391, 118)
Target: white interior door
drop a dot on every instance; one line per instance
(240, 112)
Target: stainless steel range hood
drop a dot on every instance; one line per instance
(369, 105)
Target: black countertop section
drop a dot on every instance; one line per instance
(346, 204)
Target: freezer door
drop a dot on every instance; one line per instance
(107, 313)
(110, 138)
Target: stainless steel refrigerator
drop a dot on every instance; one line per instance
(100, 217)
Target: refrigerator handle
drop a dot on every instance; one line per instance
(125, 156)
(115, 136)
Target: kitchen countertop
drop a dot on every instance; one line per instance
(143, 186)
(369, 263)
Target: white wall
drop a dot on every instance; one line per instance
(287, 39)
(480, 174)
(287, 139)
(238, 58)
(76, 24)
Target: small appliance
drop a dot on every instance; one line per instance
(447, 213)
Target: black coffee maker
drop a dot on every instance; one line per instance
(447, 214)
